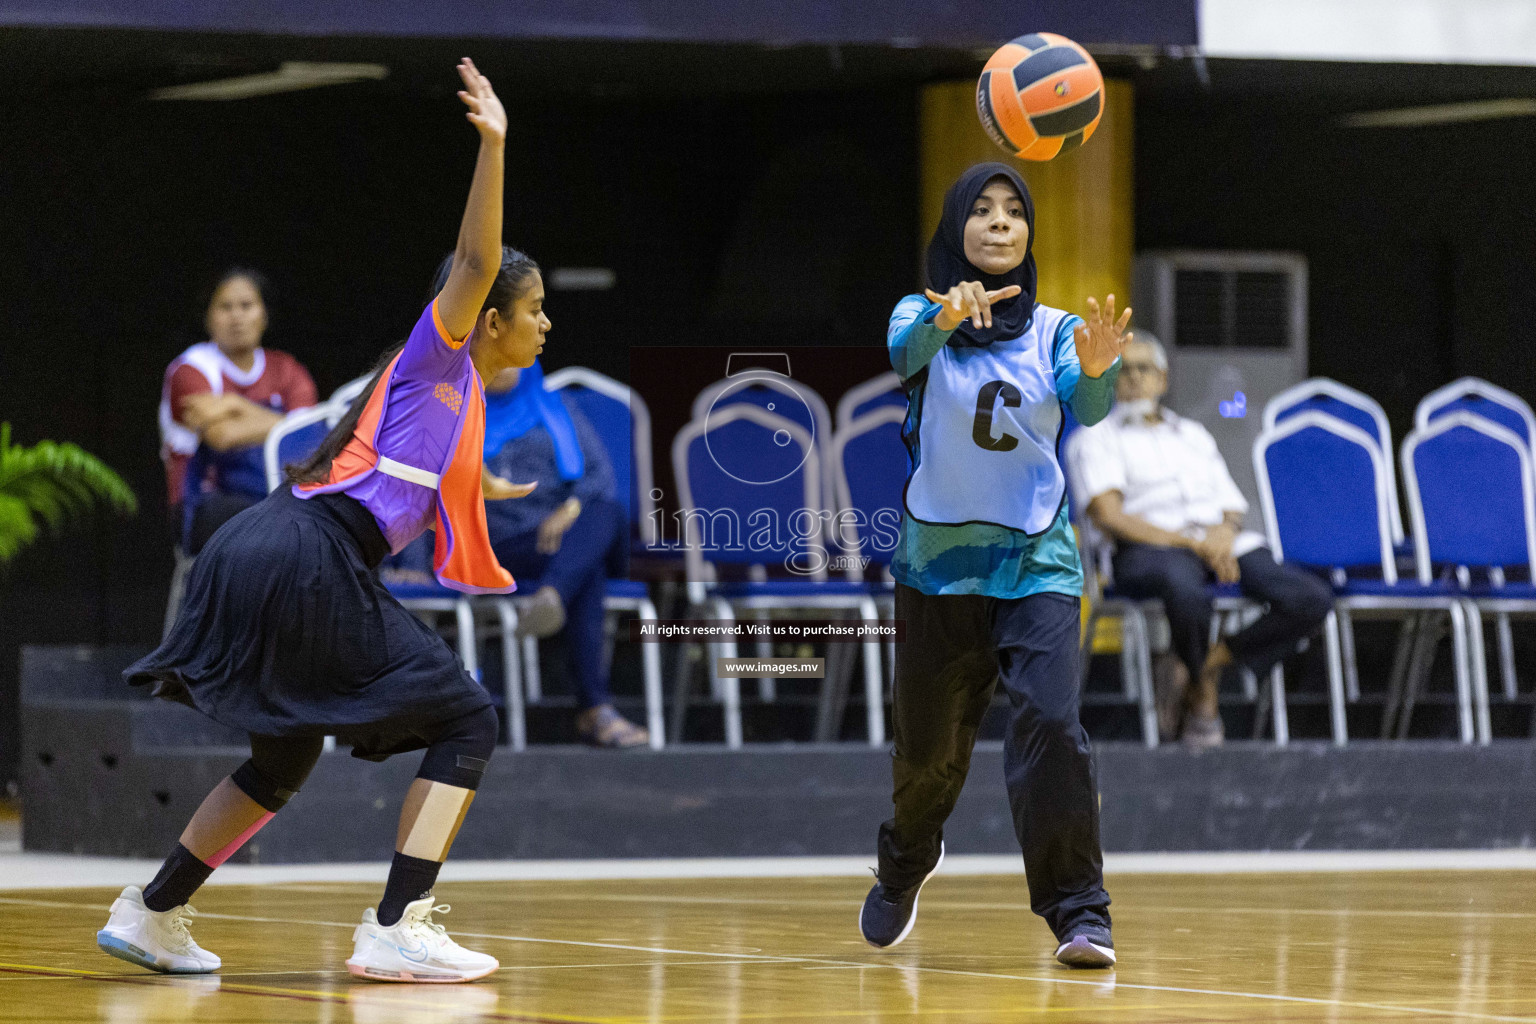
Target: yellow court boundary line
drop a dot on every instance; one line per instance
(305, 995)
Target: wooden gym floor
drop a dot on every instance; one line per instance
(1361, 947)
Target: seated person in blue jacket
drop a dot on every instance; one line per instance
(566, 538)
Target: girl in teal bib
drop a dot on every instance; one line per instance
(987, 571)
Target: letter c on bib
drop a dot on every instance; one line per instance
(981, 426)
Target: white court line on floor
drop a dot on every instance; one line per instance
(1099, 980)
(48, 871)
(1000, 905)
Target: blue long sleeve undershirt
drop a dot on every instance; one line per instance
(992, 560)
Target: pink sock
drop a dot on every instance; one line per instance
(239, 841)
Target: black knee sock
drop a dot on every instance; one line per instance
(179, 877)
(410, 878)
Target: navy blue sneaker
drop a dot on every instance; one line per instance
(1087, 945)
(889, 914)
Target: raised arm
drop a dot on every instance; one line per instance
(477, 257)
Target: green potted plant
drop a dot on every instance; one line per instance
(51, 483)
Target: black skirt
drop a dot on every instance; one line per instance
(286, 631)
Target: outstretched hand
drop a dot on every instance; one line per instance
(485, 110)
(1101, 338)
(495, 488)
(968, 299)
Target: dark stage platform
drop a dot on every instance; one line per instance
(107, 774)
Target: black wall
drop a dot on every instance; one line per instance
(1421, 242)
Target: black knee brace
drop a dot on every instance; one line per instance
(277, 768)
(458, 755)
(261, 787)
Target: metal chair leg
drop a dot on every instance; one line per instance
(512, 676)
(1130, 679)
(1340, 723)
(1351, 666)
(683, 683)
(1136, 642)
(650, 670)
(532, 680)
(1507, 657)
(1260, 707)
(1277, 695)
(1476, 670)
(874, 678)
(464, 616)
(832, 697)
(730, 686)
(1467, 716)
(767, 686)
(1419, 666)
(1407, 639)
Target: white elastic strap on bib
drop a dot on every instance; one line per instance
(400, 471)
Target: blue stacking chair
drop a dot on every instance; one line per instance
(1323, 485)
(878, 392)
(1327, 396)
(296, 435)
(1321, 394)
(781, 395)
(1472, 495)
(623, 423)
(774, 515)
(1477, 397)
(869, 463)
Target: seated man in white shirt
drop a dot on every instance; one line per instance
(1155, 483)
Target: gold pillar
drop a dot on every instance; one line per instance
(1084, 233)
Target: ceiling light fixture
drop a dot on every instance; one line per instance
(1443, 113)
(290, 76)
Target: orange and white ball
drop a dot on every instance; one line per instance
(1040, 95)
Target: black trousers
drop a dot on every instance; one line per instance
(1298, 601)
(956, 649)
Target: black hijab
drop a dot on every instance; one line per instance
(947, 265)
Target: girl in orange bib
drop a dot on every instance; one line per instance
(287, 635)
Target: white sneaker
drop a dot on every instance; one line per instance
(416, 948)
(158, 940)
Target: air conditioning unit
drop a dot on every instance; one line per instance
(1235, 326)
